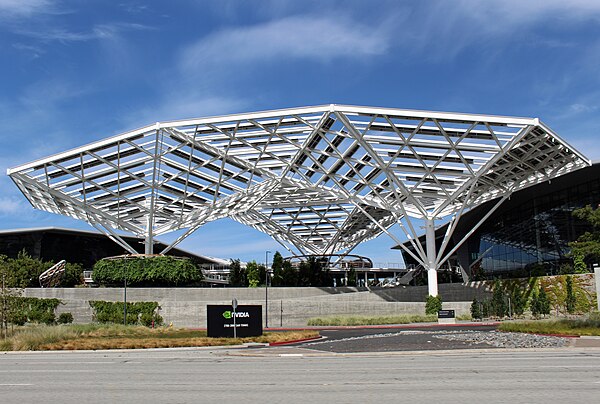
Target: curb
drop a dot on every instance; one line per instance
(297, 341)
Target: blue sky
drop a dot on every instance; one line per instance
(74, 72)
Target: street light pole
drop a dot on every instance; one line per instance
(125, 298)
(267, 288)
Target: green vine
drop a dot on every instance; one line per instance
(147, 271)
(144, 313)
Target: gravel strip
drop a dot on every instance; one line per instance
(505, 339)
(485, 338)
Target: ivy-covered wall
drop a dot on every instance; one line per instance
(147, 271)
(556, 291)
(144, 313)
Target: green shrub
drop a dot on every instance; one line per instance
(147, 319)
(570, 299)
(147, 271)
(18, 319)
(544, 303)
(433, 304)
(34, 310)
(534, 305)
(517, 303)
(47, 318)
(476, 309)
(65, 318)
(499, 307)
(137, 312)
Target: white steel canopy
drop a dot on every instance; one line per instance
(319, 180)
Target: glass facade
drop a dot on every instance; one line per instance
(534, 232)
(529, 234)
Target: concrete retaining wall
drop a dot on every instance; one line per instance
(288, 307)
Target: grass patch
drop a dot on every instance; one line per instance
(584, 326)
(371, 320)
(96, 336)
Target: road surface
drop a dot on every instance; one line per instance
(299, 375)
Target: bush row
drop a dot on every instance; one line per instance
(138, 313)
(147, 271)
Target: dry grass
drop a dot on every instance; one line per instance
(589, 325)
(91, 337)
(371, 320)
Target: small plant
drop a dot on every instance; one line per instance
(150, 320)
(544, 303)
(534, 304)
(433, 304)
(47, 318)
(570, 299)
(137, 312)
(476, 309)
(65, 318)
(517, 303)
(499, 308)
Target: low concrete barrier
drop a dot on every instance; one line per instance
(288, 307)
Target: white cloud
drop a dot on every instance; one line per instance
(175, 106)
(10, 205)
(97, 32)
(23, 8)
(309, 37)
(443, 29)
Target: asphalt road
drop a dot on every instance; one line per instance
(297, 375)
(413, 338)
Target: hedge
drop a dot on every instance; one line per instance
(146, 271)
(144, 313)
(34, 310)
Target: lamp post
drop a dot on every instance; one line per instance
(125, 297)
(267, 288)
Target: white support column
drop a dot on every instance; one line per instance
(432, 283)
(149, 241)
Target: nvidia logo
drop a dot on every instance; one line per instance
(229, 314)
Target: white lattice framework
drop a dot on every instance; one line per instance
(319, 180)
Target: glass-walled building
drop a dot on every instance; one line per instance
(530, 232)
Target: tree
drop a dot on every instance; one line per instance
(588, 244)
(499, 308)
(289, 274)
(237, 275)
(73, 275)
(534, 304)
(476, 309)
(313, 272)
(433, 304)
(544, 303)
(262, 275)
(253, 274)
(570, 298)
(579, 266)
(10, 291)
(277, 267)
(517, 302)
(27, 270)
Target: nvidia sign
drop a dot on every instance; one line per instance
(221, 320)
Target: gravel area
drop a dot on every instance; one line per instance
(415, 340)
(505, 339)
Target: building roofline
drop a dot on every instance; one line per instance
(217, 260)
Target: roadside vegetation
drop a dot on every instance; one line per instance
(371, 320)
(99, 336)
(589, 325)
(163, 271)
